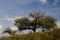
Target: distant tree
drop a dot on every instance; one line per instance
(39, 20)
(8, 30)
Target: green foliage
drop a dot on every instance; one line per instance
(51, 35)
(48, 22)
(39, 20)
(22, 22)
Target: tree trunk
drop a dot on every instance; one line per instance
(35, 24)
(34, 30)
(43, 30)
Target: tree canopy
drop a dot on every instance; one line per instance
(39, 21)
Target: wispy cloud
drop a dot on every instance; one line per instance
(43, 1)
(7, 18)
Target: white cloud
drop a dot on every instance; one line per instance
(43, 1)
(5, 35)
(1, 29)
(0, 26)
(14, 28)
(10, 19)
(55, 1)
(58, 24)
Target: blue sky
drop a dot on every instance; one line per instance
(11, 9)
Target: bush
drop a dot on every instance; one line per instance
(52, 35)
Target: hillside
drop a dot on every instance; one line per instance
(52, 35)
